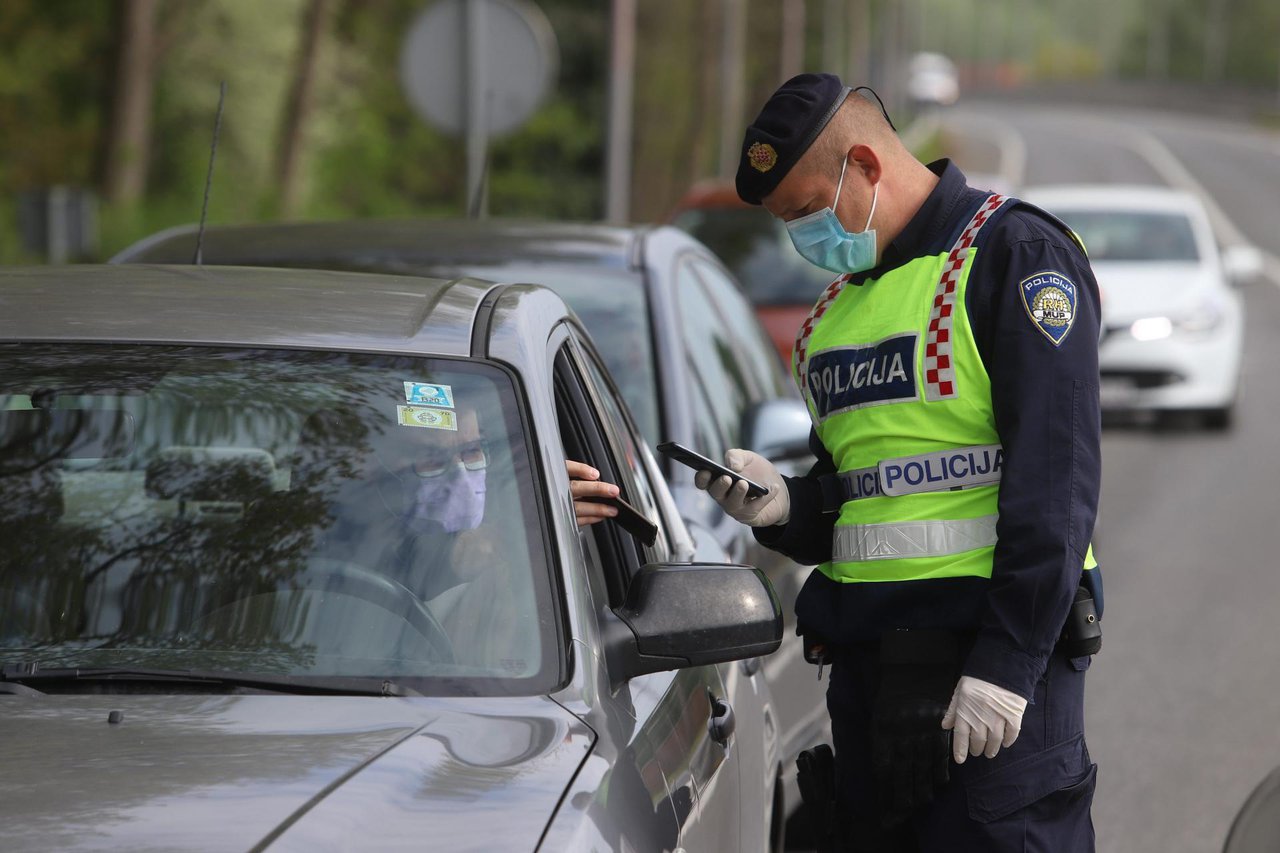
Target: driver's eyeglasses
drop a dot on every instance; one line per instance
(474, 456)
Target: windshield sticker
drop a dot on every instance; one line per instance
(427, 394)
(426, 416)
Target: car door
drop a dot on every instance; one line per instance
(798, 696)
(674, 717)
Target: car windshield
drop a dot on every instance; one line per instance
(756, 249)
(614, 306)
(271, 512)
(1123, 235)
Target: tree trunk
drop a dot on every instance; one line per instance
(298, 107)
(129, 139)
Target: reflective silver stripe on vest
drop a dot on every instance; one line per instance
(857, 543)
(939, 471)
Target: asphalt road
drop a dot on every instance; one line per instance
(1183, 706)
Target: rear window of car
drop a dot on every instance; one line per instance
(271, 512)
(614, 307)
(756, 249)
(1133, 235)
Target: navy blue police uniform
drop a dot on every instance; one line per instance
(1035, 794)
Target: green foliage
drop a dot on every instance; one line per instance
(367, 154)
(51, 110)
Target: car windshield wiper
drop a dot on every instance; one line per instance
(29, 672)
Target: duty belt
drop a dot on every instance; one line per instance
(856, 543)
(939, 471)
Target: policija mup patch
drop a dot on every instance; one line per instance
(1050, 299)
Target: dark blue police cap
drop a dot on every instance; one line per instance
(787, 125)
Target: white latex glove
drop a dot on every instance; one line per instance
(985, 717)
(773, 508)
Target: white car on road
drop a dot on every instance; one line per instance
(1172, 318)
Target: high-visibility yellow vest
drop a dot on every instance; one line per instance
(900, 398)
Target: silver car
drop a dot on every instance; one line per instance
(677, 334)
(289, 561)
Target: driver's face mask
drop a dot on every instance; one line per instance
(453, 497)
(451, 485)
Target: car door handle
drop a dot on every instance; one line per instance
(723, 722)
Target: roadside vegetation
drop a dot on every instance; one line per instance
(117, 97)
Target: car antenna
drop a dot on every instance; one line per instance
(208, 181)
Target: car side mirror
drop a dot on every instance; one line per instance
(679, 615)
(777, 429)
(1241, 263)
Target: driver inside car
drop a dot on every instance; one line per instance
(416, 504)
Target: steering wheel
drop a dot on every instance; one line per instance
(343, 578)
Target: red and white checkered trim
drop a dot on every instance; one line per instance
(800, 355)
(939, 370)
(940, 379)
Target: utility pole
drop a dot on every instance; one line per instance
(832, 21)
(622, 71)
(1215, 41)
(732, 84)
(129, 134)
(860, 42)
(1158, 41)
(791, 49)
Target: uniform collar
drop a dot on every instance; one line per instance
(931, 224)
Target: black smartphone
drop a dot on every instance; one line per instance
(698, 462)
(629, 518)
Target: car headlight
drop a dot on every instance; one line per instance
(1151, 328)
(1205, 316)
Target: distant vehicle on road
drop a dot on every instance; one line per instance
(248, 598)
(932, 80)
(673, 328)
(755, 246)
(1172, 322)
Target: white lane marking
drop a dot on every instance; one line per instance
(1007, 138)
(1175, 174)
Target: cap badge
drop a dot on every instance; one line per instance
(762, 156)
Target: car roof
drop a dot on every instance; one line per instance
(1147, 197)
(239, 306)
(370, 242)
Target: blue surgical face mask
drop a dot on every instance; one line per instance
(821, 239)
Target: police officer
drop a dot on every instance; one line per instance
(951, 373)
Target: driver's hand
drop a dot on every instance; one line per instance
(584, 482)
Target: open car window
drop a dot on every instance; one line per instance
(271, 512)
(586, 412)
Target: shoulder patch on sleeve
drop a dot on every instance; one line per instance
(1050, 299)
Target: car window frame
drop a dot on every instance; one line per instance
(767, 351)
(698, 383)
(586, 434)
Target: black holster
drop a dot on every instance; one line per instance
(1082, 632)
